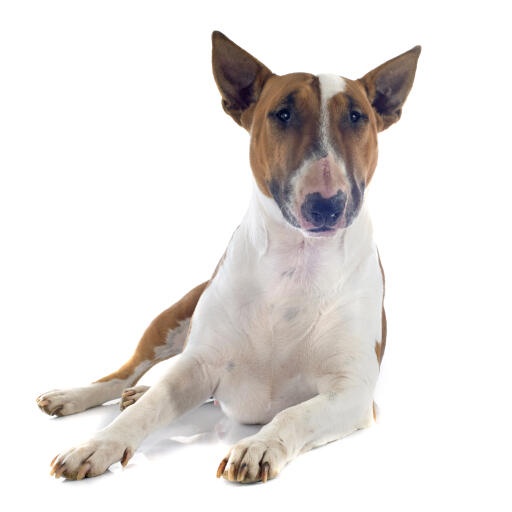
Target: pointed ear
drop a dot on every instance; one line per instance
(388, 85)
(239, 76)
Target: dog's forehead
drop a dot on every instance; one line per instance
(335, 89)
(313, 90)
(299, 86)
(330, 85)
(353, 92)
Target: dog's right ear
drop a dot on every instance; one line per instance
(239, 76)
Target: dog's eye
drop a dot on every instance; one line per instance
(284, 115)
(355, 116)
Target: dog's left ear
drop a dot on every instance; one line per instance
(239, 76)
(388, 85)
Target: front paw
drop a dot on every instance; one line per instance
(91, 458)
(253, 459)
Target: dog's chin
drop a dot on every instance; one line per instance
(311, 231)
(324, 232)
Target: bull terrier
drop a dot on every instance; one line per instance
(290, 330)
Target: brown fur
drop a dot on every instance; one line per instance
(357, 144)
(274, 152)
(156, 334)
(251, 93)
(238, 75)
(381, 347)
(396, 75)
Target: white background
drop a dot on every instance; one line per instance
(122, 181)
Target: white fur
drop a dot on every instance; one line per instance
(274, 305)
(285, 333)
(77, 399)
(174, 341)
(330, 85)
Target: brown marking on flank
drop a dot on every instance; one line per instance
(378, 352)
(156, 334)
(384, 331)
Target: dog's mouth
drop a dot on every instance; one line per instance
(340, 217)
(324, 232)
(320, 230)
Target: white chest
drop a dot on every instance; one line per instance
(278, 311)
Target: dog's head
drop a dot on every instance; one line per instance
(313, 138)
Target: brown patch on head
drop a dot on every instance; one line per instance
(353, 131)
(337, 164)
(315, 156)
(381, 347)
(279, 146)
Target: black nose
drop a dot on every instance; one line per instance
(323, 212)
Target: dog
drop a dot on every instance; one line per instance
(290, 330)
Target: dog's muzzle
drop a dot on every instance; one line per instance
(323, 212)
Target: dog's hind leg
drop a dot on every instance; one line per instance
(164, 338)
(186, 385)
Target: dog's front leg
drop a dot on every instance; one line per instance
(334, 413)
(187, 385)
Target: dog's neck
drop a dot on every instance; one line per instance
(268, 234)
